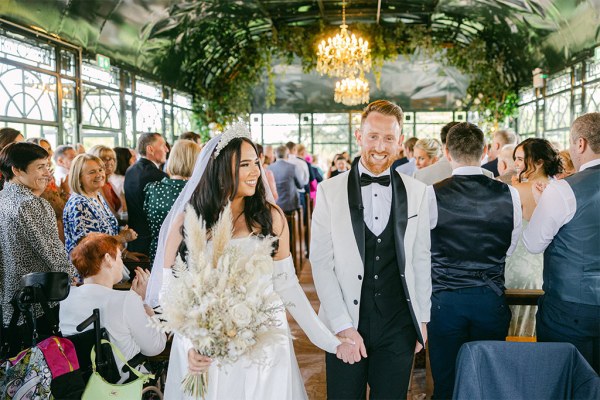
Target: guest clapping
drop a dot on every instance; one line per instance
(87, 211)
(124, 315)
(28, 231)
(160, 196)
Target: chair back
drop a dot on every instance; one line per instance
(511, 370)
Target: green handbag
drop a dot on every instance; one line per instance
(98, 389)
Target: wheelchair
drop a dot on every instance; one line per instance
(40, 289)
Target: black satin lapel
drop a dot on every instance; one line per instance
(356, 208)
(400, 215)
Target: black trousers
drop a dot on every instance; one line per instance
(578, 324)
(460, 316)
(390, 343)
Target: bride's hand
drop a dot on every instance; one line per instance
(197, 363)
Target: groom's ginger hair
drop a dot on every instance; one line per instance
(383, 107)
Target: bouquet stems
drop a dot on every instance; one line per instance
(195, 385)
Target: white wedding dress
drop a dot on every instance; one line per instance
(523, 271)
(279, 378)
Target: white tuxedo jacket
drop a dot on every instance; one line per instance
(338, 241)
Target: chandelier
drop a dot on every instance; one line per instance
(351, 91)
(344, 55)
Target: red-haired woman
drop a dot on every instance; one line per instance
(123, 313)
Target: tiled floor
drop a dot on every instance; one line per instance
(312, 360)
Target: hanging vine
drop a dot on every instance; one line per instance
(221, 60)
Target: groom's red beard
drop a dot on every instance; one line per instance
(376, 166)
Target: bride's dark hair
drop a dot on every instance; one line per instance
(218, 186)
(537, 149)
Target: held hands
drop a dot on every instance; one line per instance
(352, 348)
(197, 363)
(419, 346)
(140, 282)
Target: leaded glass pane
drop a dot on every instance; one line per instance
(558, 83)
(429, 130)
(182, 100)
(69, 112)
(282, 134)
(306, 136)
(149, 116)
(526, 95)
(101, 107)
(182, 119)
(559, 138)
(592, 70)
(148, 89)
(91, 140)
(27, 94)
(592, 97)
(526, 121)
(557, 113)
(434, 117)
(68, 60)
(280, 119)
(330, 119)
(330, 134)
(91, 73)
(27, 50)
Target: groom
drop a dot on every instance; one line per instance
(371, 263)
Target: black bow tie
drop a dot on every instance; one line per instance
(366, 180)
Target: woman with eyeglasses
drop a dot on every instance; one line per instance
(109, 157)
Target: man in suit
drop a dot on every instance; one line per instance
(506, 164)
(287, 179)
(499, 139)
(566, 227)
(153, 152)
(468, 255)
(441, 169)
(371, 263)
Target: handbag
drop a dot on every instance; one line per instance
(99, 389)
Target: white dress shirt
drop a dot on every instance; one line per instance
(60, 173)
(556, 208)
(377, 208)
(516, 200)
(377, 202)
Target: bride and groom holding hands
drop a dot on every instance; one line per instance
(370, 256)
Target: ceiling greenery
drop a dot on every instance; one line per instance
(222, 59)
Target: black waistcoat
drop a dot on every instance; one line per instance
(382, 288)
(473, 233)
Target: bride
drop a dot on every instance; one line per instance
(228, 171)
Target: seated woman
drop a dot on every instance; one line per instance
(122, 313)
(87, 211)
(109, 157)
(29, 239)
(161, 195)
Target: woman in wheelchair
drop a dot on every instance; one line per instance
(122, 313)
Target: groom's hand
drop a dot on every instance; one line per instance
(358, 349)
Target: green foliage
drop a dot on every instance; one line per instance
(222, 59)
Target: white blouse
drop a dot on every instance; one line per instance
(121, 313)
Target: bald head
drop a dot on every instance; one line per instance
(506, 163)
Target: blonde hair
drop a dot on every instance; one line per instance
(76, 169)
(100, 151)
(183, 158)
(430, 146)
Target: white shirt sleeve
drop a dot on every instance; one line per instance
(556, 207)
(517, 220)
(433, 210)
(150, 339)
